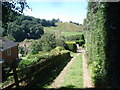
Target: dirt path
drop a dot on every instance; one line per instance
(87, 82)
(57, 82)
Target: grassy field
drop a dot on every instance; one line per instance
(63, 27)
(74, 77)
(70, 33)
(69, 27)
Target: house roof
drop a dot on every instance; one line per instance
(6, 44)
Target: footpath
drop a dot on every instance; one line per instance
(87, 81)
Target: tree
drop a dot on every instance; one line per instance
(46, 43)
(70, 22)
(10, 11)
(25, 27)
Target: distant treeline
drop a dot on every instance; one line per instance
(27, 27)
(75, 23)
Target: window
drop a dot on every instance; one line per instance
(9, 52)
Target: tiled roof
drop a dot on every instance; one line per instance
(6, 44)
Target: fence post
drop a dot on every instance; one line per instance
(14, 65)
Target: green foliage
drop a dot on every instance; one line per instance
(36, 46)
(10, 37)
(22, 27)
(47, 23)
(102, 38)
(25, 27)
(95, 42)
(75, 23)
(22, 50)
(54, 65)
(31, 59)
(10, 11)
(74, 37)
(80, 42)
(71, 46)
(46, 43)
(57, 49)
(6, 69)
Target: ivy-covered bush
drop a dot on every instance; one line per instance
(102, 43)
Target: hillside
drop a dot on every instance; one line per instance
(64, 27)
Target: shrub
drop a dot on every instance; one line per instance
(33, 58)
(6, 69)
(22, 50)
(38, 61)
(57, 49)
(74, 37)
(80, 42)
(46, 43)
(71, 46)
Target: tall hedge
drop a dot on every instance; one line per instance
(102, 43)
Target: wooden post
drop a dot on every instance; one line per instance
(0, 72)
(15, 74)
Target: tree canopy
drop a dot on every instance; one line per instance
(12, 9)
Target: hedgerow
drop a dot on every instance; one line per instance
(71, 46)
(74, 37)
(35, 62)
(34, 58)
(102, 38)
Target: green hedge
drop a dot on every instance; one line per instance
(95, 42)
(80, 42)
(38, 61)
(74, 37)
(102, 38)
(71, 46)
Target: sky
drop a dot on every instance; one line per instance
(64, 10)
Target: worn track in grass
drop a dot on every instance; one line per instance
(87, 82)
(57, 82)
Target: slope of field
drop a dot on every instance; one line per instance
(69, 27)
(63, 27)
(65, 34)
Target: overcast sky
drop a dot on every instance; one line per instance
(64, 10)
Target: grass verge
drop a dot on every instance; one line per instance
(74, 77)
